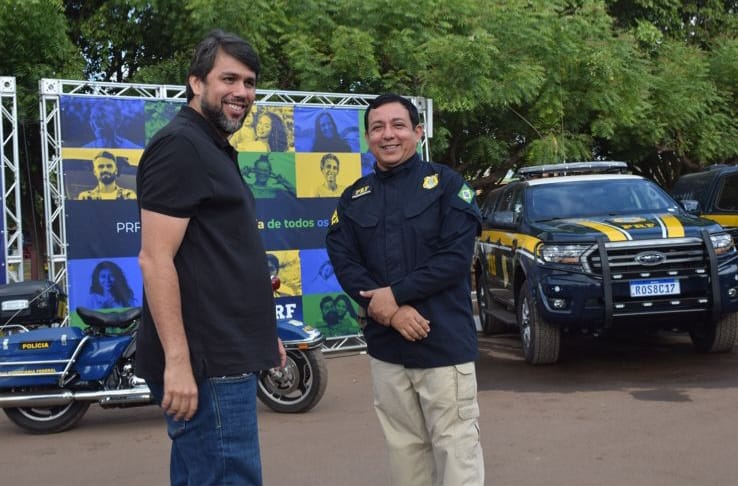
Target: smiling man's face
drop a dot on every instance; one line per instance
(226, 94)
(391, 136)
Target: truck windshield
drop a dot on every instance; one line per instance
(587, 198)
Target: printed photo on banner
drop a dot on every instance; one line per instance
(98, 122)
(104, 283)
(92, 174)
(158, 114)
(266, 129)
(327, 130)
(367, 163)
(333, 314)
(326, 174)
(286, 266)
(269, 175)
(317, 272)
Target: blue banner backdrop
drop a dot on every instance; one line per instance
(283, 156)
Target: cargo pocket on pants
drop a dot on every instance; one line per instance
(468, 409)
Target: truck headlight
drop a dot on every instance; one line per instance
(722, 243)
(563, 254)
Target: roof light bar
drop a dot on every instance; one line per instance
(571, 168)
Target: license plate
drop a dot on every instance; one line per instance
(654, 288)
(13, 305)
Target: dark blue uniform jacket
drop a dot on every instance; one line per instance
(411, 228)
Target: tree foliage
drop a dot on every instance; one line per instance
(35, 45)
(652, 82)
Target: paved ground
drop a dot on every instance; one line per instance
(630, 412)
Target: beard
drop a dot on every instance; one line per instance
(107, 178)
(331, 318)
(218, 118)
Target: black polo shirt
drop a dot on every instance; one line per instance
(189, 170)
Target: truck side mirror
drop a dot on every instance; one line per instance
(690, 205)
(503, 219)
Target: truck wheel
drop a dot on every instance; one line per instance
(541, 341)
(715, 337)
(48, 420)
(489, 323)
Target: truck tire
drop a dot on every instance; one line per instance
(541, 341)
(715, 337)
(489, 323)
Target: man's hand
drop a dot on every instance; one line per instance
(410, 324)
(382, 304)
(282, 354)
(180, 391)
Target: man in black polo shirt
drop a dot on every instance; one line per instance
(208, 320)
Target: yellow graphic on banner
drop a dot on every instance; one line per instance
(132, 156)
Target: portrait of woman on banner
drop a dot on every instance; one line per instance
(109, 288)
(266, 132)
(327, 136)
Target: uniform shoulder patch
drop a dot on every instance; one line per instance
(334, 217)
(466, 193)
(361, 191)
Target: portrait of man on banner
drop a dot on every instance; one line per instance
(110, 123)
(100, 175)
(333, 314)
(325, 174)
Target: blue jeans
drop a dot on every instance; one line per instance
(220, 445)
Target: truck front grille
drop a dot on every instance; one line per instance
(681, 257)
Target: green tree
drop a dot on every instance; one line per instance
(34, 45)
(119, 38)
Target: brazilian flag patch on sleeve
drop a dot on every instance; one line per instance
(466, 193)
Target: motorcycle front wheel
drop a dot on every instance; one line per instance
(298, 386)
(48, 420)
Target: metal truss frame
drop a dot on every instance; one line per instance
(11, 181)
(52, 89)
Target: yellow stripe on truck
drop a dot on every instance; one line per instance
(724, 220)
(612, 233)
(674, 228)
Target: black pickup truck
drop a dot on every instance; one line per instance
(712, 194)
(587, 247)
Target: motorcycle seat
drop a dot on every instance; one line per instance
(117, 319)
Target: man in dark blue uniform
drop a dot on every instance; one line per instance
(401, 243)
